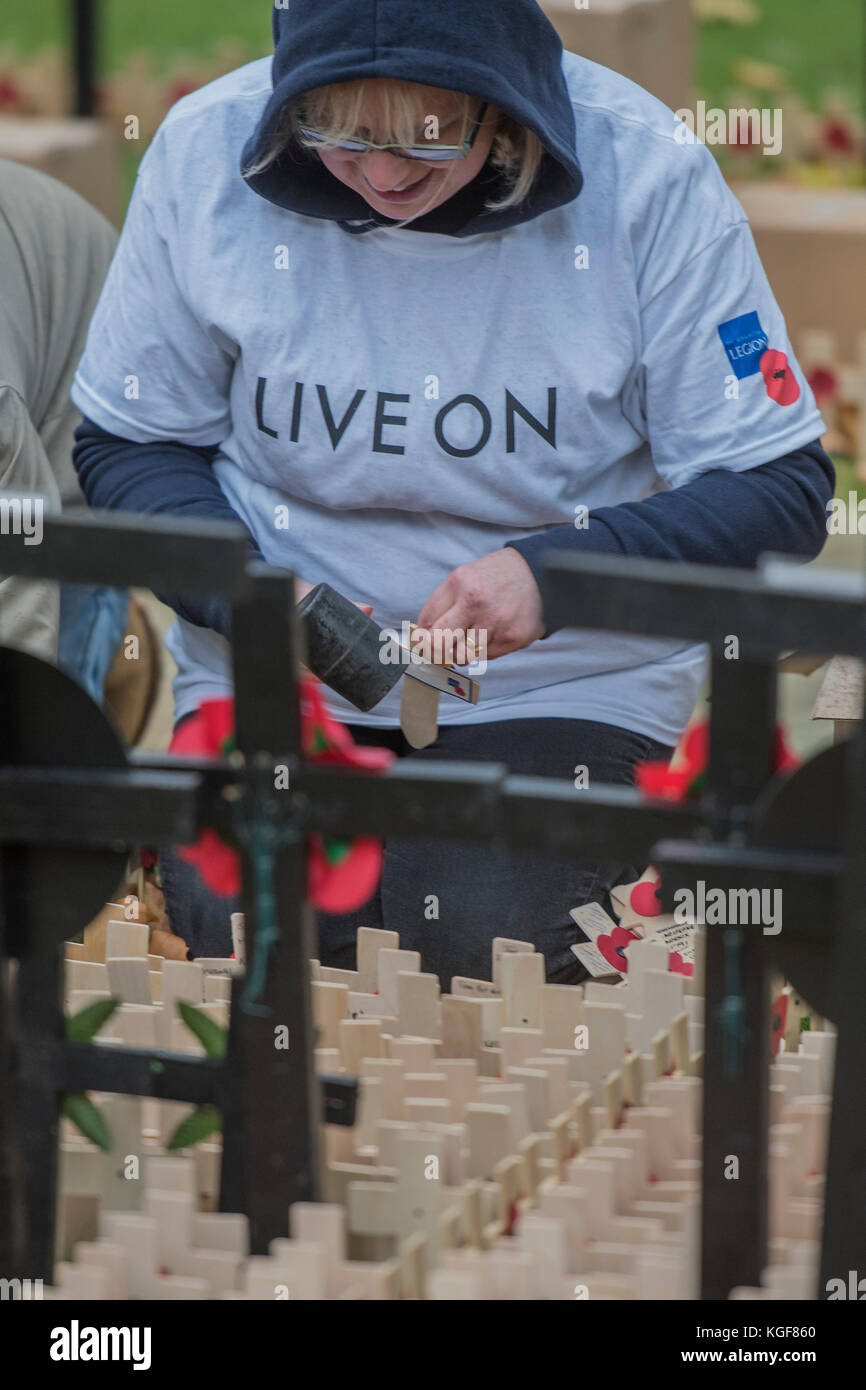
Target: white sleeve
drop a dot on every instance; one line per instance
(151, 369)
(717, 384)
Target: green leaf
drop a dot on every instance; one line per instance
(697, 786)
(80, 1109)
(204, 1121)
(83, 1026)
(212, 1036)
(336, 850)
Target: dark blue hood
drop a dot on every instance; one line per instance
(503, 51)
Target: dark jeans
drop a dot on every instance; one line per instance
(448, 900)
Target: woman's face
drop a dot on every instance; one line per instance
(406, 188)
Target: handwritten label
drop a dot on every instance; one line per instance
(589, 955)
(462, 985)
(218, 965)
(506, 946)
(592, 919)
(677, 936)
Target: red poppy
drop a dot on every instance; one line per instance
(184, 87)
(824, 384)
(777, 1026)
(11, 96)
(341, 874)
(838, 137)
(219, 865)
(326, 741)
(644, 900)
(681, 783)
(677, 966)
(786, 758)
(207, 733)
(613, 948)
(686, 781)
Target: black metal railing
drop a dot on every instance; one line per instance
(271, 1098)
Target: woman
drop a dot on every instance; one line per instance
(442, 299)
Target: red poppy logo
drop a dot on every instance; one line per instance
(781, 384)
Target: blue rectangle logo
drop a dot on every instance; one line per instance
(745, 342)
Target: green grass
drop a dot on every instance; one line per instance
(821, 46)
(846, 477)
(168, 28)
(170, 31)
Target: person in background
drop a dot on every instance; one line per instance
(55, 250)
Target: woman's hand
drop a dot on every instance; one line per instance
(497, 596)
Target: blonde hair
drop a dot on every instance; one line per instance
(336, 111)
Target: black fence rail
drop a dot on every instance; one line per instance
(272, 1102)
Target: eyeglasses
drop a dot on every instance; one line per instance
(431, 153)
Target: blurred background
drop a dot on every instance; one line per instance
(804, 57)
(85, 83)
